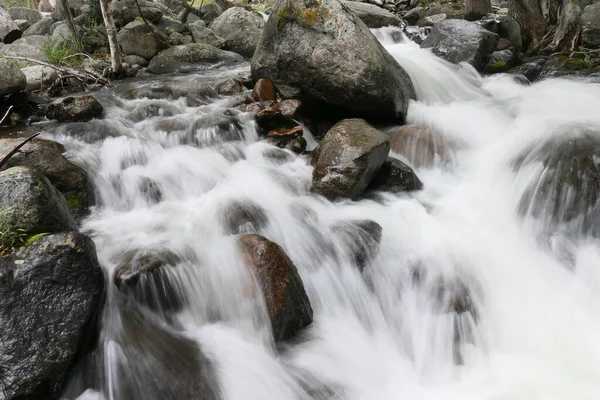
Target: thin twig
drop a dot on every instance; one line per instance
(5, 115)
(17, 148)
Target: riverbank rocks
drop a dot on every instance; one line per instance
(590, 25)
(31, 16)
(461, 41)
(241, 30)
(39, 77)
(12, 79)
(47, 157)
(52, 293)
(279, 116)
(286, 300)
(360, 239)
(323, 52)
(28, 47)
(204, 35)
(9, 31)
(191, 57)
(29, 202)
(42, 27)
(148, 276)
(137, 38)
(395, 176)
(348, 158)
(373, 16)
(75, 108)
(499, 61)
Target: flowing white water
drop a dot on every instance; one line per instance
(534, 332)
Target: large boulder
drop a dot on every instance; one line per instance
(51, 292)
(323, 51)
(348, 158)
(29, 47)
(241, 30)
(138, 39)
(590, 25)
(373, 16)
(30, 203)
(47, 157)
(9, 31)
(31, 16)
(170, 25)
(204, 35)
(39, 77)
(75, 108)
(210, 12)
(191, 57)
(12, 80)
(461, 41)
(126, 11)
(42, 27)
(286, 300)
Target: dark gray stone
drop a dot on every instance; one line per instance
(590, 25)
(395, 176)
(75, 108)
(373, 16)
(191, 57)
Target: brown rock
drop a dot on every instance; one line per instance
(286, 133)
(289, 107)
(287, 303)
(251, 108)
(264, 90)
(422, 145)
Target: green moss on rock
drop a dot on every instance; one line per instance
(74, 200)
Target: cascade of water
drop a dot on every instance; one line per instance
(462, 301)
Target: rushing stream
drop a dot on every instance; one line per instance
(168, 182)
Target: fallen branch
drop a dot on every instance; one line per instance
(84, 76)
(5, 115)
(17, 148)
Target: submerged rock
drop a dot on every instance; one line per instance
(323, 52)
(75, 108)
(373, 16)
(241, 30)
(146, 276)
(29, 202)
(395, 176)
(348, 158)
(461, 41)
(287, 303)
(361, 240)
(191, 57)
(422, 145)
(243, 216)
(51, 292)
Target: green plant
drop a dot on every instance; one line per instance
(62, 52)
(10, 237)
(17, 3)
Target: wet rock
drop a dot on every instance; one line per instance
(29, 47)
(169, 25)
(228, 87)
(510, 29)
(29, 202)
(461, 41)
(135, 60)
(296, 144)
(395, 176)
(348, 158)
(241, 30)
(422, 145)
(250, 108)
(590, 25)
(531, 69)
(286, 133)
(499, 61)
(242, 216)
(264, 90)
(287, 303)
(323, 52)
(172, 125)
(90, 131)
(151, 191)
(373, 16)
(75, 108)
(214, 129)
(191, 57)
(137, 39)
(156, 109)
(278, 116)
(46, 157)
(360, 239)
(210, 12)
(31, 16)
(206, 36)
(39, 77)
(148, 276)
(12, 80)
(52, 292)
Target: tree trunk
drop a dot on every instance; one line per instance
(111, 30)
(548, 26)
(477, 9)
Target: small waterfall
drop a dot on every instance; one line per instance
(480, 289)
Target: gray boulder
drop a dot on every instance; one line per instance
(590, 25)
(348, 158)
(461, 41)
(126, 11)
(206, 36)
(74, 108)
(331, 57)
(373, 16)
(414, 15)
(28, 201)
(60, 14)
(51, 292)
(25, 13)
(12, 80)
(210, 12)
(29, 47)
(23, 24)
(137, 39)
(500, 61)
(191, 57)
(39, 77)
(169, 25)
(9, 31)
(241, 30)
(42, 27)
(133, 60)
